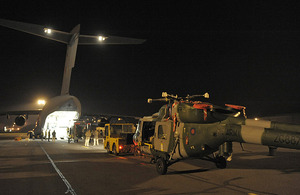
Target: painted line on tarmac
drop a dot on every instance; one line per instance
(70, 189)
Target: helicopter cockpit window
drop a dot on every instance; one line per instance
(148, 131)
(161, 133)
(165, 111)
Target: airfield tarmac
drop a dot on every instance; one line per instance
(36, 167)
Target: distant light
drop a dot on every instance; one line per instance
(47, 30)
(101, 38)
(41, 102)
(256, 119)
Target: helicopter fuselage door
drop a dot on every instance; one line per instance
(163, 131)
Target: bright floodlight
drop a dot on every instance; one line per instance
(101, 38)
(47, 30)
(41, 102)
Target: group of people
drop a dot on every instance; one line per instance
(88, 135)
(47, 135)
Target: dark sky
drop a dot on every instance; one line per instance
(241, 53)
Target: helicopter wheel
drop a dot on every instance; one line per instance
(161, 166)
(221, 162)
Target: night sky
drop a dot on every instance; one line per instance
(245, 54)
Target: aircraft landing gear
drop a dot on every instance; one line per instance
(161, 166)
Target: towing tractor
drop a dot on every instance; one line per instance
(119, 138)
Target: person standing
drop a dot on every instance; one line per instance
(96, 142)
(42, 135)
(28, 135)
(46, 133)
(87, 137)
(49, 135)
(53, 136)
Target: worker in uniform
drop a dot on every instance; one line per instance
(87, 137)
(28, 135)
(53, 136)
(42, 138)
(75, 135)
(46, 133)
(49, 135)
(96, 142)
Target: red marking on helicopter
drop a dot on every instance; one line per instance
(193, 131)
(203, 107)
(237, 107)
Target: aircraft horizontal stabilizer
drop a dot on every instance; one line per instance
(66, 37)
(99, 40)
(38, 30)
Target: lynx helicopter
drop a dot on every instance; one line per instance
(184, 128)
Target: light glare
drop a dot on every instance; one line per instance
(47, 30)
(41, 102)
(101, 38)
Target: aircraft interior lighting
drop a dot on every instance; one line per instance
(60, 121)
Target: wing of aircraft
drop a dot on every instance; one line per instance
(22, 116)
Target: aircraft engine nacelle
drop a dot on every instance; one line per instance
(20, 120)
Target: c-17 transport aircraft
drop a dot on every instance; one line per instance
(60, 112)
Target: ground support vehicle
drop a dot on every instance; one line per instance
(119, 138)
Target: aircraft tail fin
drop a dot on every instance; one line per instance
(70, 60)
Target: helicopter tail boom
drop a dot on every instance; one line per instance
(276, 134)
